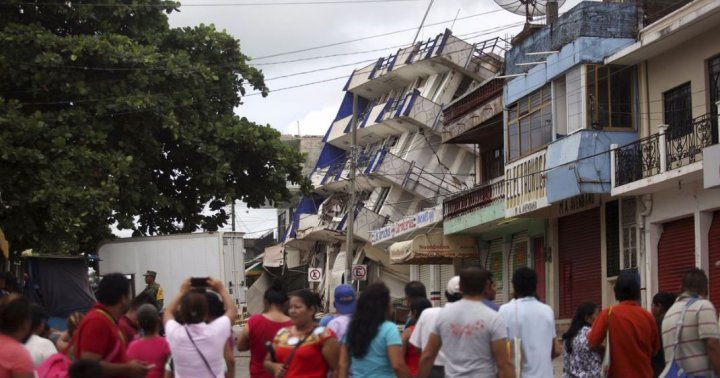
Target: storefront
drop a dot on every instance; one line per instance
(676, 253)
(714, 258)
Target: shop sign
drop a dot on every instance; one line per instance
(525, 185)
(407, 225)
(577, 204)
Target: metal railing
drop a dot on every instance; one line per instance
(475, 198)
(637, 160)
(473, 101)
(684, 144)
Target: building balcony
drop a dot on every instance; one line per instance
(322, 227)
(473, 199)
(388, 118)
(580, 163)
(462, 119)
(388, 168)
(437, 55)
(655, 163)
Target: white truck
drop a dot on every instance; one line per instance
(177, 257)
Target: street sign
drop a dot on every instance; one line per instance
(359, 272)
(314, 274)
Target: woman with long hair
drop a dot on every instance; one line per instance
(262, 328)
(304, 349)
(373, 347)
(412, 353)
(579, 360)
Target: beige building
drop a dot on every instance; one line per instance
(678, 216)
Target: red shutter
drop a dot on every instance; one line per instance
(579, 253)
(539, 251)
(714, 257)
(676, 254)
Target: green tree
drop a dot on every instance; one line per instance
(109, 115)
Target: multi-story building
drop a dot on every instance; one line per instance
(544, 204)
(403, 169)
(676, 59)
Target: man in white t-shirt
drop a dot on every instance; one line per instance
(473, 336)
(39, 347)
(197, 347)
(426, 323)
(533, 322)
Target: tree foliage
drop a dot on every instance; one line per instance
(109, 115)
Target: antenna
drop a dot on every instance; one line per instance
(527, 8)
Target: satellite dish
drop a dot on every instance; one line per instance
(527, 8)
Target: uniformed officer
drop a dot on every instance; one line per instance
(154, 289)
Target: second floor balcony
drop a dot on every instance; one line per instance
(652, 163)
(328, 228)
(475, 208)
(471, 112)
(387, 118)
(390, 168)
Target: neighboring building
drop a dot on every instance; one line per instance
(403, 172)
(677, 223)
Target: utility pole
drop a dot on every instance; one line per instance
(232, 214)
(422, 23)
(350, 231)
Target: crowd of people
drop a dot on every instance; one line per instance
(469, 337)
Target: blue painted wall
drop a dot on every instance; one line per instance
(567, 176)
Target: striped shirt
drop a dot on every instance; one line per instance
(700, 323)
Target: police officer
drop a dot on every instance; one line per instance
(154, 289)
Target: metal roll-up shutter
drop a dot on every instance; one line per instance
(714, 257)
(676, 253)
(518, 256)
(495, 264)
(579, 261)
(426, 276)
(539, 265)
(446, 273)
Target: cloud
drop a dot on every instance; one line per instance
(315, 122)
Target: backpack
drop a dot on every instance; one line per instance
(56, 366)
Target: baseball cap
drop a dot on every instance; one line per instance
(344, 299)
(453, 286)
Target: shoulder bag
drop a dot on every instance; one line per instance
(207, 365)
(673, 369)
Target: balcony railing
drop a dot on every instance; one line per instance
(473, 101)
(637, 160)
(673, 147)
(413, 178)
(475, 198)
(685, 143)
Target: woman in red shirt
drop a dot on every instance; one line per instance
(411, 353)
(262, 328)
(303, 350)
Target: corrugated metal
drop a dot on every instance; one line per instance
(426, 276)
(518, 256)
(714, 257)
(539, 263)
(676, 253)
(446, 273)
(579, 261)
(495, 264)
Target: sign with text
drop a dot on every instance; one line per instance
(359, 272)
(525, 185)
(315, 274)
(407, 225)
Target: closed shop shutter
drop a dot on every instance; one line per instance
(676, 253)
(518, 256)
(539, 264)
(446, 273)
(579, 261)
(426, 276)
(714, 257)
(495, 264)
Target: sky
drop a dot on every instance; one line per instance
(359, 32)
(268, 32)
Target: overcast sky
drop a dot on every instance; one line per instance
(267, 33)
(265, 30)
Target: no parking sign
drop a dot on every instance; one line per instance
(314, 274)
(359, 272)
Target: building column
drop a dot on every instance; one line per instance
(703, 221)
(554, 266)
(653, 232)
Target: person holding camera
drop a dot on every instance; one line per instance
(191, 338)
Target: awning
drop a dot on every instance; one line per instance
(255, 270)
(433, 248)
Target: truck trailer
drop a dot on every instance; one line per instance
(176, 257)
